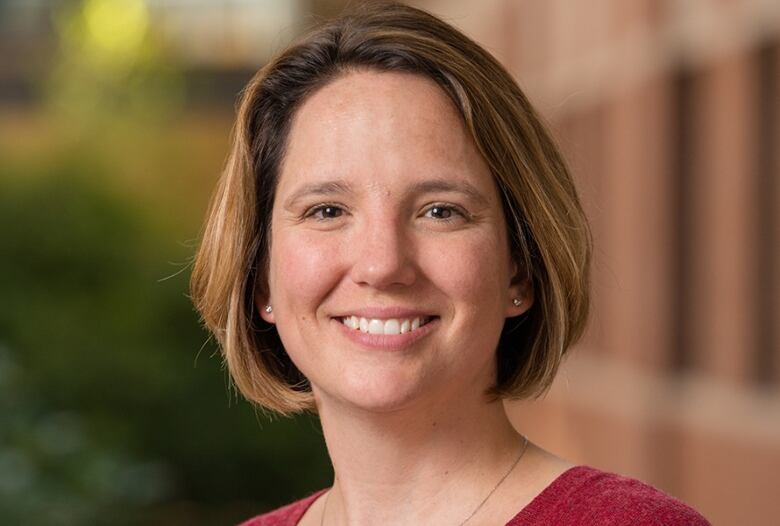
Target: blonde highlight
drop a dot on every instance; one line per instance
(549, 235)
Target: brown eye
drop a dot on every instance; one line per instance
(441, 212)
(444, 212)
(325, 212)
(331, 211)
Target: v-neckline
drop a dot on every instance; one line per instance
(530, 510)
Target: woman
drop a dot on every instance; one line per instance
(397, 244)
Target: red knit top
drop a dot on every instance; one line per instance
(581, 496)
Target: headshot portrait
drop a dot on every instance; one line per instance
(389, 262)
(397, 245)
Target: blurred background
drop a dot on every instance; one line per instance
(114, 123)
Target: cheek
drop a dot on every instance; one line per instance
(303, 269)
(473, 269)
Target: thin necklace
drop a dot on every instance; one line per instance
(479, 507)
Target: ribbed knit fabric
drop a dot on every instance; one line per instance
(582, 496)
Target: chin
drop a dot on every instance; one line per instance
(376, 394)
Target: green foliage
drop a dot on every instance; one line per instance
(112, 409)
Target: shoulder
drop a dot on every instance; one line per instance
(584, 495)
(288, 515)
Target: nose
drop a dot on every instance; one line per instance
(382, 254)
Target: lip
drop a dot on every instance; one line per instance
(386, 342)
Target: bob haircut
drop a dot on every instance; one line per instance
(548, 233)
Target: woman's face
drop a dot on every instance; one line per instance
(390, 276)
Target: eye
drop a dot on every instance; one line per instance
(444, 212)
(325, 212)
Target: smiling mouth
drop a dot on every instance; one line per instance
(388, 326)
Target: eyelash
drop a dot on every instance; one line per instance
(319, 208)
(453, 209)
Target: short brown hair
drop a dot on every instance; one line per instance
(548, 233)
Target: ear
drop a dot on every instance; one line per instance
(521, 288)
(262, 301)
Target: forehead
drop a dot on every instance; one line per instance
(379, 128)
(392, 99)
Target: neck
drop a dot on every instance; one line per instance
(412, 465)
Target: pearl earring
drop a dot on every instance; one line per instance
(517, 302)
(269, 309)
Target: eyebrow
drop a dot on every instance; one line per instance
(446, 185)
(422, 187)
(314, 189)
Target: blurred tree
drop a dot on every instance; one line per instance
(112, 408)
(52, 472)
(106, 406)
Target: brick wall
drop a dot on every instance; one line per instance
(669, 113)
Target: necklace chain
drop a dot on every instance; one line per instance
(510, 470)
(479, 507)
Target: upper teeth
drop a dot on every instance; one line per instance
(389, 326)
